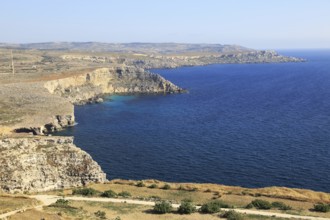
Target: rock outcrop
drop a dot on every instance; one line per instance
(45, 163)
(89, 87)
(39, 163)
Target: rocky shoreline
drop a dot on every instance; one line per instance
(40, 104)
(33, 161)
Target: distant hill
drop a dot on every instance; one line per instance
(162, 48)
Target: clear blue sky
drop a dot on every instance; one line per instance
(252, 23)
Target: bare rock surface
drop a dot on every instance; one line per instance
(89, 86)
(45, 163)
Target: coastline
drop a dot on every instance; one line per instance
(89, 87)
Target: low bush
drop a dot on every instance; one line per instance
(162, 207)
(85, 192)
(261, 204)
(61, 203)
(249, 206)
(213, 206)
(166, 187)
(153, 186)
(140, 184)
(100, 214)
(109, 194)
(232, 215)
(124, 194)
(320, 207)
(281, 206)
(186, 207)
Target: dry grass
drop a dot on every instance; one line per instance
(36, 215)
(11, 203)
(199, 194)
(127, 212)
(272, 192)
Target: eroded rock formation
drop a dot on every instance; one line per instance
(90, 86)
(45, 163)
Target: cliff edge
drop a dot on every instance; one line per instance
(45, 163)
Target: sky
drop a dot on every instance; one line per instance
(259, 24)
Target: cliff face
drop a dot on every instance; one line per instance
(39, 163)
(45, 163)
(87, 87)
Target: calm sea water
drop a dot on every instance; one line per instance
(251, 125)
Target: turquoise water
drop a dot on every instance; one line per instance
(251, 125)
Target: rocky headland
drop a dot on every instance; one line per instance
(30, 164)
(38, 99)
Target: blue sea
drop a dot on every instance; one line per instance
(250, 125)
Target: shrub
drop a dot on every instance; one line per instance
(61, 203)
(320, 207)
(109, 194)
(213, 206)
(261, 204)
(281, 206)
(232, 215)
(100, 214)
(162, 207)
(85, 192)
(140, 184)
(166, 187)
(187, 207)
(124, 194)
(249, 206)
(153, 186)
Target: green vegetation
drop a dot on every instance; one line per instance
(260, 204)
(166, 187)
(162, 207)
(85, 192)
(232, 215)
(61, 203)
(213, 206)
(100, 214)
(320, 207)
(109, 194)
(153, 186)
(140, 184)
(281, 206)
(186, 207)
(124, 194)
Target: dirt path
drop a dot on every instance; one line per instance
(5, 215)
(49, 199)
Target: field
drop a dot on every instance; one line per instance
(10, 203)
(152, 190)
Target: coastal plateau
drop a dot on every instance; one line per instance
(38, 94)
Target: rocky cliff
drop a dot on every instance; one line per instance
(90, 86)
(38, 163)
(45, 163)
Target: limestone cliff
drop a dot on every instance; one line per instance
(45, 163)
(86, 87)
(38, 163)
